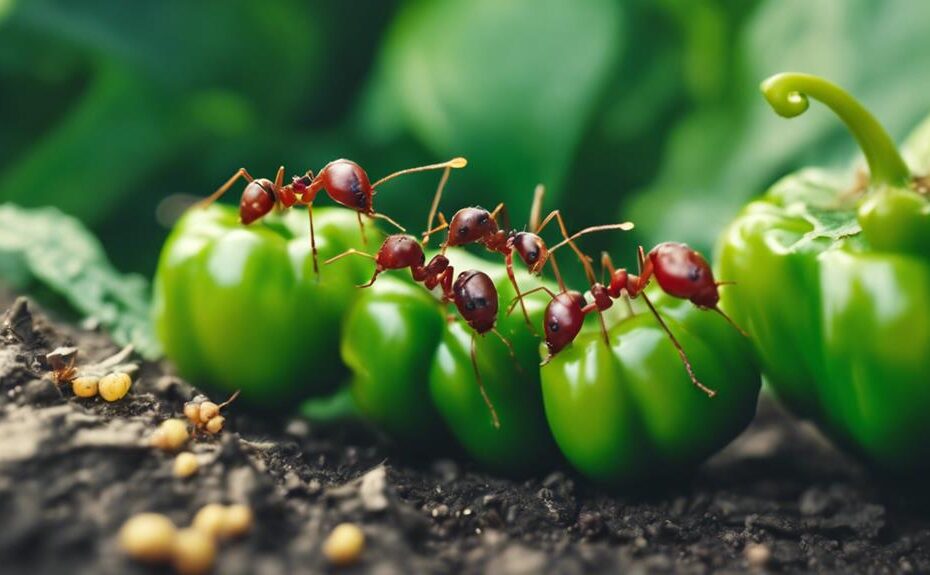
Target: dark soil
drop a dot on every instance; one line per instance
(71, 471)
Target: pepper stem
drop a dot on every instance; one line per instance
(788, 95)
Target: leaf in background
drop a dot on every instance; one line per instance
(724, 154)
(56, 250)
(510, 85)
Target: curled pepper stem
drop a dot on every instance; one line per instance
(788, 95)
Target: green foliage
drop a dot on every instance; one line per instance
(625, 109)
(55, 250)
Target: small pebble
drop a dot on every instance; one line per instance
(237, 521)
(85, 386)
(209, 519)
(114, 386)
(344, 545)
(757, 555)
(194, 552)
(171, 435)
(148, 537)
(185, 464)
(215, 425)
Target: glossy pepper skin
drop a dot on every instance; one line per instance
(413, 376)
(239, 307)
(626, 413)
(834, 284)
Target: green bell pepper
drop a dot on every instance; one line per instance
(413, 375)
(629, 411)
(239, 307)
(834, 286)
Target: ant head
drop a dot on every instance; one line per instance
(258, 199)
(532, 250)
(470, 225)
(347, 184)
(684, 273)
(400, 251)
(563, 320)
(475, 297)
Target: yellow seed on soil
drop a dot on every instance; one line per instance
(148, 537)
(194, 552)
(192, 412)
(208, 410)
(237, 521)
(185, 464)
(210, 519)
(84, 386)
(171, 435)
(114, 386)
(215, 425)
(344, 545)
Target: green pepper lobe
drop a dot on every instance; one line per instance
(239, 307)
(835, 288)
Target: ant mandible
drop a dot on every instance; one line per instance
(679, 270)
(477, 225)
(344, 181)
(473, 293)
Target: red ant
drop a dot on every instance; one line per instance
(473, 292)
(478, 225)
(343, 180)
(679, 270)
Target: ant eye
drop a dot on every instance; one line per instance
(531, 256)
(469, 305)
(694, 274)
(463, 230)
(483, 220)
(481, 302)
(553, 326)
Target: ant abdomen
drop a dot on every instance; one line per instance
(564, 317)
(347, 184)
(684, 273)
(475, 296)
(258, 199)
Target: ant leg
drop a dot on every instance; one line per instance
(535, 209)
(513, 302)
(607, 264)
(557, 273)
(508, 261)
(723, 314)
(501, 210)
(385, 217)
(434, 207)
(645, 270)
(316, 267)
(355, 252)
(681, 351)
(585, 261)
(484, 394)
(513, 354)
(443, 224)
(361, 228)
(453, 163)
(240, 173)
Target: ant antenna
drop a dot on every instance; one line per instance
(484, 393)
(516, 300)
(453, 163)
(443, 224)
(535, 209)
(355, 252)
(435, 205)
(624, 226)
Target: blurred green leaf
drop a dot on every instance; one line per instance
(510, 85)
(59, 252)
(730, 150)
